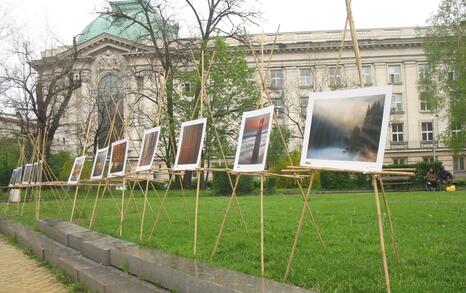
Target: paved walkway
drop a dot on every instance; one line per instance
(20, 274)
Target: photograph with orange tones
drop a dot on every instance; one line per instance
(189, 151)
(99, 164)
(118, 158)
(148, 148)
(254, 137)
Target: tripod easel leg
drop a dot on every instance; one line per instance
(300, 226)
(196, 210)
(390, 223)
(382, 241)
(74, 203)
(161, 208)
(144, 210)
(262, 223)
(219, 235)
(91, 222)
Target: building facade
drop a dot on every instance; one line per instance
(111, 61)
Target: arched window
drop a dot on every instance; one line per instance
(110, 96)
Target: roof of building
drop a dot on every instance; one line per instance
(106, 22)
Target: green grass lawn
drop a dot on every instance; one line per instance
(430, 227)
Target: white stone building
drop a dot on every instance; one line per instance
(303, 62)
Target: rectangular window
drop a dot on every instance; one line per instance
(332, 71)
(428, 159)
(276, 78)
(303, 101)
(422, 72)
(399, 161)
(394, 74)
(426, 105)
(456, 131)
(305, 77)
(367, 74)
(279, 104)
(458, 163)
(187, 87)
(427, 131)
(397, 132)
(451, 74)
(397, 103)
(140, 82)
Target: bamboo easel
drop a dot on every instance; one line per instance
(376, 176)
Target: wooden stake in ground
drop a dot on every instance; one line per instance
(262, 223)
(196, 210)
(381, 237)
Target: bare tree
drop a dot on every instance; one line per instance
(39, 91)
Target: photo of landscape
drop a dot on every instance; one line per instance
(346, 129)
(190, 144)
(254, 139)
(148, 149)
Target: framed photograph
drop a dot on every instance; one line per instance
(190, 145)
(347, 129)
(37, 172)
(78, 166)
(19, 173)
(148, 148)
(100, 161)
(118, 156)
(27, 174)
(12, 178)
(253, 140)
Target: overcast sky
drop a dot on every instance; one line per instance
(66, 18)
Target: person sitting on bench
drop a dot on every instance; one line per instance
(431, 180)
(444, 177)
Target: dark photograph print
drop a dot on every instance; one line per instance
(118, 158)
(253, 142)
(189, 151)
(148, 148)
(349, 129)
(76, 170)
(99, 163)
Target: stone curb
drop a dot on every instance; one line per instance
(173, 272)
(97, 277)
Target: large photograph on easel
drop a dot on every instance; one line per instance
(148, 148)
(253, 141)
(190, 146)
(347, 129)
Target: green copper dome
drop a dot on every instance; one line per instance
(123, 28)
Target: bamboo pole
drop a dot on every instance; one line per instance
(300, 225)
(122, 210)
(196, 210)
(143, 211)
(262, 223)
(161, 207)
(381, 237)
(219, 235)
(390, 222)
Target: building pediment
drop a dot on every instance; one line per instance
(105, 42)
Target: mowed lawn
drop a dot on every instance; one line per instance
(430, 228)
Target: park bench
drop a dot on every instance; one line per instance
(394, 180)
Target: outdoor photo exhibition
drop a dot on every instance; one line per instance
(232, 146)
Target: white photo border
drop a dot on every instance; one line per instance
(105, 149)
(71, 182)
(190, 167)
(253, 167)
(140, 168)
(348, 165)
(27, 167)
(122, 172)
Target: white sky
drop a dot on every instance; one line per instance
(66, 18)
